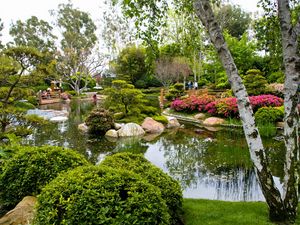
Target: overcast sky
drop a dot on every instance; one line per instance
(12, 10)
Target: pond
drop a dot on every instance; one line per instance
(208, 164)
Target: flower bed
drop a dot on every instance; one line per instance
(224, 107)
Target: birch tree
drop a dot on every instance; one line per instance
(282, 207)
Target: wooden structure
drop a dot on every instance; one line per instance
(49, 97)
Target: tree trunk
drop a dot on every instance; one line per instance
(291, 118)
(257, 152)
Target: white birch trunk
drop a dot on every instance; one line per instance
(272, 195)
(291, 118)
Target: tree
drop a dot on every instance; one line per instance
(233, 19)
(123, 97)
(16, 65)
(79, 38)
(34, 33)
(282, 208)
(130, 64)
(1, 28)
(117, 32)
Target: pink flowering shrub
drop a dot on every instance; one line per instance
(224, 107)
(179, 105)
(192, 103)
(265, 101)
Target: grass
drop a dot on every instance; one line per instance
(212, 212)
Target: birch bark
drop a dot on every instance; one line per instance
(277, 206)
(291, 119)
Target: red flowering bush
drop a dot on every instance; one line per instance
(192, 103)
(225, 107)
(179, 105)
(265, 101)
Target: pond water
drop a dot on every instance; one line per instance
(208, 164)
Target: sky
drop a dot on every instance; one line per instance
(12, 10)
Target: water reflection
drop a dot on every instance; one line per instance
(211, 165)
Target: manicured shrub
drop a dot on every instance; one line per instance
(255, 82)
(100, 195)
(31, 168)
(192, 103)
(99, 121)
(170, 188)
(265, 101)
(267, 115)
(175, 91)
(227, 107)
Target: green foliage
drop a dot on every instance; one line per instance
(32, 100)
(99, 121)
(36, 120)
(233, 19)
(24, 105)
(271, 115)
(100, 195)
(214, 212)
(170, 189)
(31, 168)
(123, 97)
(276, 77)
(175, 91)
(255, 82)
(33, 33)
(161, 119)
(130, 65)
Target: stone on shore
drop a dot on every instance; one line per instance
(213, 121)
(130, 130)
(152, 126)
(112, 133)
(83, 127)
(172, 122)
(22, 214)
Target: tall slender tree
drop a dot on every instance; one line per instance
(74, 61)
(34, 33)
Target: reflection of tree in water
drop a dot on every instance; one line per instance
(131, 144)
(183, 154)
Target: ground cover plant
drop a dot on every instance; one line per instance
(200, 211)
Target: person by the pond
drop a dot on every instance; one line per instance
(95, 97)
(190, 85)
(195, 85)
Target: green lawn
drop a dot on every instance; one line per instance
(210, 212)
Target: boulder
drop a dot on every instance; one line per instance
(22, 214)
(213, 121)
(172, 122)
(199, 116)
(112, 133)
(83, 127)
(130, 130)
(59, 119)
(152, 126)
(118, 125)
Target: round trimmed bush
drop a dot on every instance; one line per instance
(170, 189)
(31, 168)
(100, 195)
(267, 115)
(99, 121)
